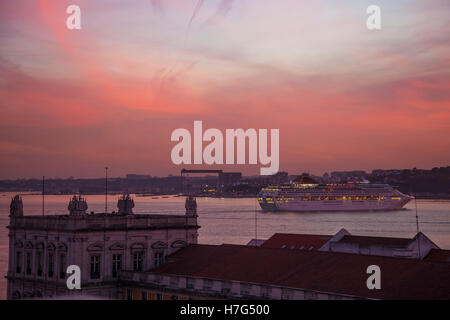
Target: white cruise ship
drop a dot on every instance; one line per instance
(305, 194)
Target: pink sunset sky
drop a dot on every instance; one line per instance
(110, 94)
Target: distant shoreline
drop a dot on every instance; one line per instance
(144, 195)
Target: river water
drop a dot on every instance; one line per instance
(233, 220)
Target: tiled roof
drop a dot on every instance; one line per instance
(384, 241)
(256, 242)
(296, 241)
(438, 255)
(313, 270)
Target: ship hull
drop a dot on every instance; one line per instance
(338, 205)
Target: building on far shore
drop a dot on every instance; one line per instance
(101, 244)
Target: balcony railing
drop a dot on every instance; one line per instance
(69, 223)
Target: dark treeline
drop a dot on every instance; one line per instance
(423, 183)
(434, 183)
(166, 185)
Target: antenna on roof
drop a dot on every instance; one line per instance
(43, 194)
(417, 224)
(106, 189)
(256, 225)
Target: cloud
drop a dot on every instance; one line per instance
(157, 6)
(197, 8)
(113, 93)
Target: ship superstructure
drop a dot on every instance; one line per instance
(305, 194)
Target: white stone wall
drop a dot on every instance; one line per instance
(79, 246)
(255, 290)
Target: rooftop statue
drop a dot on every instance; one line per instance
(77, 206)
(16, 207)
(125, 204)
(191, 206)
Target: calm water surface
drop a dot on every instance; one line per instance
(233, 220)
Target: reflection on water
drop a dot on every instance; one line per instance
(233, 220)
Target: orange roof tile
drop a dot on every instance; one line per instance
(313, 270)
(296, 241)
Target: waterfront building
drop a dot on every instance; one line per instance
(149, 256)
(101, 244)
(252, 272)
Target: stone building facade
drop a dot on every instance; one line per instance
(102, 244)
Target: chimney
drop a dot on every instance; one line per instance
(77, 206)
(125, 204)
(16, 207)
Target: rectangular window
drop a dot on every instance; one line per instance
(51, 264)
(62, 265)
(158, 296)
(207, 284)
(39, 263)
(159, 259)
(190, 283)
(226, 287)
(129, 294)
(286, 294)
(116, 264)
(174, 281)
(158, 278)
(310, 295)
(95, 267)
(18, 262)
(144, 295)
(28, 263)
(138, 258)
(266, 291)
(245, 289)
